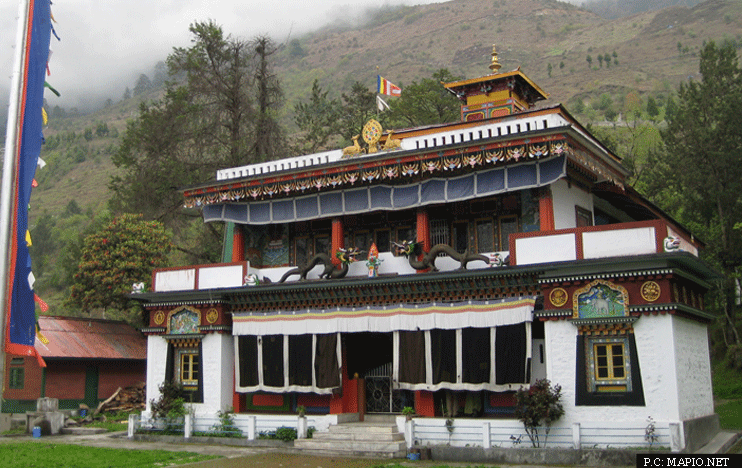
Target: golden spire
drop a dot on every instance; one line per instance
(495, 65)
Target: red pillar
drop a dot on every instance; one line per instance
(424, 404)
(238, 255)
(238, 244)
(338, 239)
(546, 210)
(423, 233)
(346, 401)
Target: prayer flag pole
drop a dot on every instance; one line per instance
(8, 190)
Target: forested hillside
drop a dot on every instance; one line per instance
(617, 75)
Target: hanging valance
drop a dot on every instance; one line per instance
(446, 316)
(474, 345)
(390, 197)
(496, 358)
(288, 363)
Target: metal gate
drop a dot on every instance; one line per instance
(381, 397)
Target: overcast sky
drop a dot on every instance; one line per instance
(106, 44)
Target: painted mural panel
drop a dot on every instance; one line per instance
(600, 299)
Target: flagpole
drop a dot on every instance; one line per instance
(7, 192)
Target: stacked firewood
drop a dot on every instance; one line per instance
(124, 399)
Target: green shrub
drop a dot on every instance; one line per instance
(286, 434)
(537, 408)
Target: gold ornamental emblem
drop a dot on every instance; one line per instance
(212, 315)
(558, 297)
(650, 291)
(159, 317)
(372, 132)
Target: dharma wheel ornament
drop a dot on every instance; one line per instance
(372, 134)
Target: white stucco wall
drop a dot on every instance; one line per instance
(565, 197)
(658, 341)
(217, 365)
(693, 364)
(156, 360)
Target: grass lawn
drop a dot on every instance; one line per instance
(727, 384)
(730, 415)
(49, 455)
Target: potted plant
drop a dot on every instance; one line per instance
(408, 411)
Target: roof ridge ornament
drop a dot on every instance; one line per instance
(495, 65)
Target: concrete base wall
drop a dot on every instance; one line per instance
(699, 431)
(531, 456)
(4, 422)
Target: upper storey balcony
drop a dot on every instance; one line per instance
(530, 248)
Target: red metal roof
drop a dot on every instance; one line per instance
(75, 337)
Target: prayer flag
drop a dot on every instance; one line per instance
(19, 304)
(387, 87)
(381, 104)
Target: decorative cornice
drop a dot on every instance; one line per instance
(423, 163)
(612, 275)
(603, 320)
(151, 330)
(482, 284)
(683, 309)
(553, 313)
(215, 328)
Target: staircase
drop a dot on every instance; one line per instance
(361, 439)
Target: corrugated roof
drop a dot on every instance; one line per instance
(74, 337)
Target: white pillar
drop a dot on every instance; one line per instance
(409, 433)
(187, 426)
(301, 428)
(486, 436)
(133, 418)
(576, 436)
(677, 440)
(251, 423)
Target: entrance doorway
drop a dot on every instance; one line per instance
(370, 356)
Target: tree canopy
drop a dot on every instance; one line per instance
(425, 102)
(120, 253)
(698, 176)
(218, 111)
(317, 120)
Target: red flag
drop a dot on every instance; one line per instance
(42, 305)
(387, 87)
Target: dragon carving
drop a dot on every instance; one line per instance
(412, 250)
(346, 256)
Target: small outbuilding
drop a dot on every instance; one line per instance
(86, 361)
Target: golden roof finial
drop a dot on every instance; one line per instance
(495, 65)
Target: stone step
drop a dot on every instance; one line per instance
(369, 446)
(357, 439)
(360, 435)
(354, 453)
(364, 427)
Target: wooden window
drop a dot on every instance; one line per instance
(322, 244)
(302, 250)
(508, 225)
(188, 367)
(610, 365)
(460, 236)
(439, 231)
(383, 240)
(361, 240)
(609, 361)
(16, 378)
(485, 232)
(584, 217)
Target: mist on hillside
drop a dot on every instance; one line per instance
(104, 49)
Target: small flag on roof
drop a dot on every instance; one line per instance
(385, 86)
